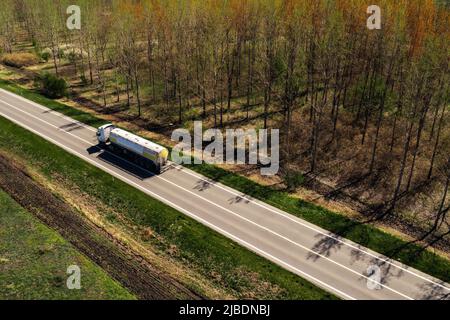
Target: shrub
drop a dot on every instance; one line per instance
(20, 60)
(61, 54)
(52, 86)
(72, 57)
(83, 79)
(293, 179)
(45, 55)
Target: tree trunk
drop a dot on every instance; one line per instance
(136, 80)
(436, 144)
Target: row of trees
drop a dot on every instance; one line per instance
(311, 68)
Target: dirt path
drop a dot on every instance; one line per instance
(130, 269)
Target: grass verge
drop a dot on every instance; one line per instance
(364, 234)
(34, 260)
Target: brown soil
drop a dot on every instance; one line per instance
(132, 270)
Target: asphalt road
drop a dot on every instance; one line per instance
(335, 264)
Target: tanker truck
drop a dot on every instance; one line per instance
(144, 153)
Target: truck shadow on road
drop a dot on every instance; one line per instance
(120, 163)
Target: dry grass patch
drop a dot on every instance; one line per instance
(19, 60)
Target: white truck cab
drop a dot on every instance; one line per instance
(103, 132)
